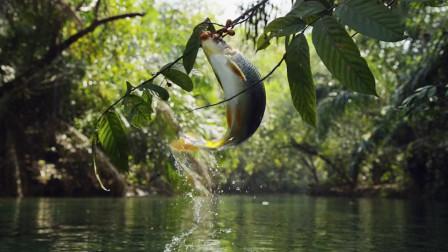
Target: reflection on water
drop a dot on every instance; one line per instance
(226, 223)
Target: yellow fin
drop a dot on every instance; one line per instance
(214, 144)
(182, 146)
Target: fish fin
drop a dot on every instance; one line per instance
(181, 145)
(236, 70)
(215, 144)
(219, 143)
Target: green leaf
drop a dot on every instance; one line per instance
(147, 96)
(129, 87)
(372, 19)
(263, 42)
(179, 78)
(138, 110)
(301, 85)
(284, 26)
(306, 9)
(193, 44)
(341, 56)
(112, 139)
(160, 91)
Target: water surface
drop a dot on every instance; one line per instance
(225, 223)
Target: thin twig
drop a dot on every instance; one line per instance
(276, 66)
(242, 18)
(141, 84)
(235, 22)
(19, 82)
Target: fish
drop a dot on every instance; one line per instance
(235, 74)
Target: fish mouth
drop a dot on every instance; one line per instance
(212, 43)
(216, 37)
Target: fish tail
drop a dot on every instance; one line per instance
(216, 144)
(182, 145)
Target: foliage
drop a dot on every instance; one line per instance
(300, 78)
(347, 137)
(112, 138)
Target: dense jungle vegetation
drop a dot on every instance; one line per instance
(63, 62)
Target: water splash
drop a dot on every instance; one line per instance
(200, 170)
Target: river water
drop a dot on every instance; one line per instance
(222, 223)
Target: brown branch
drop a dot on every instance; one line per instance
(312, 151)
(57, 50)
(235, 22)
(243, 17)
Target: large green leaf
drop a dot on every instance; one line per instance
(138, 110)
(193, 44)
(112, 139)
(341, 56)
(160, 91)
(179, 78)
(372, 19)
(306, 9)
(282, 26)
(303, 91)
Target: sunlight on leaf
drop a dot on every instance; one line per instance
(112, 139)
(138, 110)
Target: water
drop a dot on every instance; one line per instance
(225, 223)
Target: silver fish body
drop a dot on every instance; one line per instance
(235, 74)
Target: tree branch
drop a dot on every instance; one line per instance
(55, 51)
(235, 22)
(312, 151)
(243, 17)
